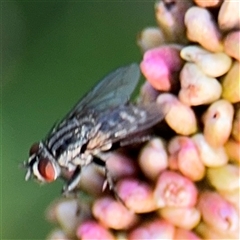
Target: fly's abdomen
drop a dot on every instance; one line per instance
(129, 119)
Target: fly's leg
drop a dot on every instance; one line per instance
(72, 183)
(135, 140)
(109, 180)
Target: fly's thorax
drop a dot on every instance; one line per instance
(41, 164)
(69, 148)
(72, 155)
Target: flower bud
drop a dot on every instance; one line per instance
(208, 3)
(153, 158)
(121, 235)
(113, 214)
(181, 234)
(228, 16)
(232, 196)
(68, 213)
(225, 177)
(218, 116)
(231, 83)
(89, 184)
(155, 229)
(232, 44)
(236, 125)
(170, 18)
(210, 233)
(93, 230)
(183, 217)
(150, 37)
(201, 28)
(173, 161)
(57, 234)
(210, 156)
(174, 190)
(188, 159)
(196, 87)
(120, 165)
(232, 149)
(211, 64)
(185, 123)
(136, 195)
(148, 93)
(160, 65)
(218, 213)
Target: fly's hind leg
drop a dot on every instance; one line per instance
(109, 180)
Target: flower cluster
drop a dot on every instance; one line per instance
(184, 182)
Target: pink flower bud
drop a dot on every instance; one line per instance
(210, 156)
(218, 116)
(180, 117)
(137, 196)
(174, 190)
(183, 234)
(201, 28)
(120, 165)
(187, 156)
(155, 229)
(160, 65)
(153, 158)
(113, 214)
(93, 230)
(196, 87)
(218, 213)
(183, 217)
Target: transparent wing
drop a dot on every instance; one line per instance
(125, 122)
(113, 90)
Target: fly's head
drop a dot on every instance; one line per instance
(41, 164)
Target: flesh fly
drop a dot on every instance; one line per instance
(102, 118)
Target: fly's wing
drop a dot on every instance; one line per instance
(113, 90)
(125, 122)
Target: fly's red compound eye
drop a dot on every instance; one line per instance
(34, 149)
(46, 169)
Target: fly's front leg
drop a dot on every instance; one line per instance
(73, 182)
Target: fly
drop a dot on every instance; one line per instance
(102, 118)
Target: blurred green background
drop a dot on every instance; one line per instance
(52, 53)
